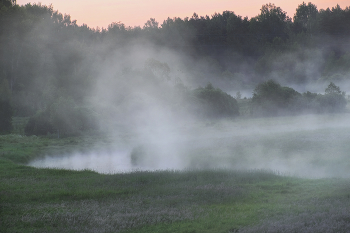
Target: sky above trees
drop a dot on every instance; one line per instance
(137, 12)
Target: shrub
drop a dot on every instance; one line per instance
(5, 116)
(143, 155)
(87, 118)
(270, 98)
(71, 119)
(63, 116)
(6, 110)
(332, 103)
(213, 102)
(39, 124)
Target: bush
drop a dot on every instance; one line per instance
(270, 99)
(6, 110)
(5, 116)
(39, 124)
(215, 103)
(332, 103)
(144, 156)
(63, 117)
(87, 118)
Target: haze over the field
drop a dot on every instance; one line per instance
(162, 137)
(308, 146)
(140, 87)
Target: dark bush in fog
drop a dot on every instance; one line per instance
(6, 109)
(143, 155)
(5, 116)
(332, 102)
(39, 124)
(62, 116)
(213, 102)
(271, 99)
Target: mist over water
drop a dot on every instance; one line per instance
(312, 146)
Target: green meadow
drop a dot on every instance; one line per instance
(242, 198)
(55, 200)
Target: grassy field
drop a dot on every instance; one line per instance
(207, 199)
(53, 200)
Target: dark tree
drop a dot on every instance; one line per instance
(332, 89)
(213, 102)
(39, 124)
(271, 99)
(6, 111)
(5, 116)
(334, 22)
(271, 23)
(334, 100)
(305, 18)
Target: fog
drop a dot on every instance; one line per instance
(152, 124)
(306, 146)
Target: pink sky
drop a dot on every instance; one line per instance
(136, 12)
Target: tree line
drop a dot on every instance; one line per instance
(272, 99)
(48, 63)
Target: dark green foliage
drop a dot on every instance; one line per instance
(332, 89)
(87, 118)
(62, 117)
(5, 3)
(143, 155)
(271, 99)
(41, 66)
(334, 22)
(332, 103)
(272, 23)
(6, 109)
(5, 116)
(305, 18)
(213, 102)
(39, 124)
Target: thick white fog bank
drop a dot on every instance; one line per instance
(102, 162)
(311, 146)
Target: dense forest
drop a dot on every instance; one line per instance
(65, 76)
